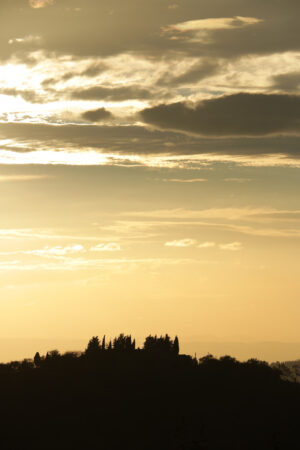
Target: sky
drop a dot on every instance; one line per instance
(149, 174)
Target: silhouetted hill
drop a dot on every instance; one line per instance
(117, 396)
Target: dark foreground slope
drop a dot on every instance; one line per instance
(127, 398)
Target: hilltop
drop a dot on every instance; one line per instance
(116, 396)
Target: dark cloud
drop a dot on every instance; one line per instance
(28, 95)
(99, 28)
(197, 72)
(68, 76)
(128, 139)
(140, 140)
(288, 82)
(234, 115)
(115, 94)
(97, 115)
(91, 71)
(48, 82)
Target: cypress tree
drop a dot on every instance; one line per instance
(37, 359)
(176, 346)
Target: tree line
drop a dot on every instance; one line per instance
(122, 343)
(115, 395)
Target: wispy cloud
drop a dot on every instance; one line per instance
(45, 234)
(182, 180)
(207, 245)
(8, 178)
(108, 247)
(181, 243)
(11, 154)
(237, 180)
(232, 246)
(56, 251)
(48, 252)
(231, 214)
(25, 40)
(219, 23)
(148, 229)
(40, 3)
(109, 264)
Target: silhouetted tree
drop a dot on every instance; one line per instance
(123, 343)
(53, 354)
(37, 359)
(93, 346)
(27, 364)
(162, 344)
(176, 346)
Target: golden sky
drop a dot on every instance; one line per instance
(149, 174)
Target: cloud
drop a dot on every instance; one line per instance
(233, 115)
(231, 214)
(9, 178)
(249, 221)
(25, 39)
(50, 252)
(42, 234)
(109, 247)
(181, 243)
(182, 180)
(206, 245)
(91, 71)
(198, 71)
(238, 180)
(112, 94)
(28, 95)
(199, 27)
(287, 82)
(97, 115)
(108, 264)
(40, 3)
(138, 140)
(231, 246)
(25, 154)
(70, 158)
(85, 27)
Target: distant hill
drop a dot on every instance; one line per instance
(290, 370)
(114, 396)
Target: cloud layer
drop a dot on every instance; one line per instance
(176, 79)
(195, 26)
(241, 114)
